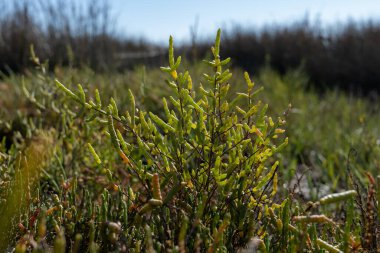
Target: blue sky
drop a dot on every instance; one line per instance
(157, 19)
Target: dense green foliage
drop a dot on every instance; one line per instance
(111, 166)
(210, 154)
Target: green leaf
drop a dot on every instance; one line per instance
(266, 178)
(217, 43)
(132, 103)
(111, 130)
(115, 111)
(171, 53)
(94, 154)
(82, 95)
(161, 123)
(66, 90)
(97, 99)
(177, 63)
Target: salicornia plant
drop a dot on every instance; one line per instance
(201, 175)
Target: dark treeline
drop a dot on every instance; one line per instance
(65, 32)
(345, 56)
